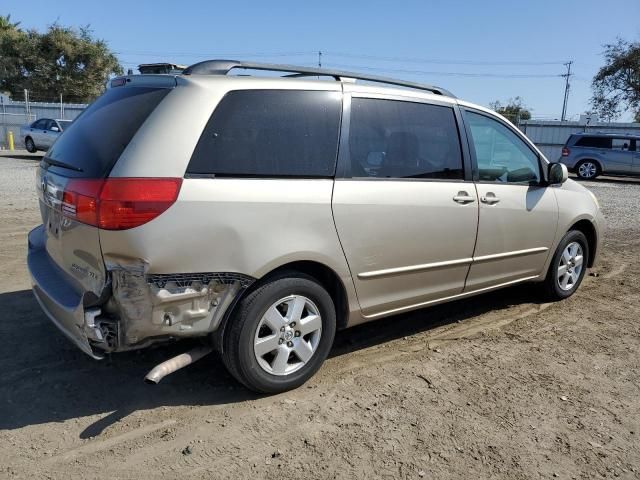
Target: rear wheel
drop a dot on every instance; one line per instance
(568, 266)
(280, 334)
(588, 169)
(29, 145)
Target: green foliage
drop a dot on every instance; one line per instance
(6, 23)
(62, 60)
(616, 86)
(514, 109)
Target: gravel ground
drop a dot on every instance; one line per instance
(498, 386)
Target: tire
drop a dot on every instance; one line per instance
(588, 169)
(29, 145)
(268, 359)
(558, 286)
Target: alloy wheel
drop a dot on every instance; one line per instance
(570, 267)
(288, 335)
(587, 170)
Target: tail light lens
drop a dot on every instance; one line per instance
(565, 152)
(119, 203)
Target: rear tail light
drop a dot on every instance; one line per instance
(565, 152)
(119, 203)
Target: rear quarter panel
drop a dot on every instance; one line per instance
(249, 226)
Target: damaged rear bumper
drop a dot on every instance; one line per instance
(137, 308)
(58, 299)
(155, 307)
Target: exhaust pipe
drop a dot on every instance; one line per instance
(176, 363)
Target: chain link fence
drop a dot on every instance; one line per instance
(11, 122)
(14, 114)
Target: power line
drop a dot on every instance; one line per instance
(448, 74)
(440, 61)
(344, 55)
(213, 55)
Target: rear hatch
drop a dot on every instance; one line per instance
(73, 172)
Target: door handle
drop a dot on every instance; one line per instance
(463, 198)
(490, 198)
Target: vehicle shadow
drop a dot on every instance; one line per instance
(44, 378)
(608, 179)
(36, 156)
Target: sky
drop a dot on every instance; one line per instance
(480, 50)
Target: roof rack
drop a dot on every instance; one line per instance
(223, 67)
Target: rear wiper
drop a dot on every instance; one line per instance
(57, 163)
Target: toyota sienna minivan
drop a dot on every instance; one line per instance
(262, 213)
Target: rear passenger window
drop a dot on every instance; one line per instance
(594, 142)
(271, 133)
(396, 139)
(620, 144)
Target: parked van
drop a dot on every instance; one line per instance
(261, 214)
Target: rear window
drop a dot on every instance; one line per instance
(92, 144)
(594, 142)
(270, 133)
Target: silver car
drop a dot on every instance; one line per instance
(261, 214)
(593, 154)
(41, 134)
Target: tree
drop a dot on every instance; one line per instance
(514, 110)
(62, 60)
(616, 86)
(6, 23)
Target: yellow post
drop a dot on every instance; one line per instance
(10, 140)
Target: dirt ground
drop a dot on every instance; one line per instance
(498, 386)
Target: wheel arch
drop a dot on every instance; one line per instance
(320, 272)
(588, 229)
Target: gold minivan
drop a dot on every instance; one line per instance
(262, 213)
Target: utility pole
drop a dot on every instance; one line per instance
(566, 90)
(27, 108)
(319, 59)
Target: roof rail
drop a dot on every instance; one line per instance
(223, 67)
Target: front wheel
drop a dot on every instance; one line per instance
(568, 266)
(280, 334)
(588, 170)
(30, 146)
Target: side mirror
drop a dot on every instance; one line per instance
(55, 129)
(558, 173)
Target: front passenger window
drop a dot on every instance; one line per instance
(501, 155)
